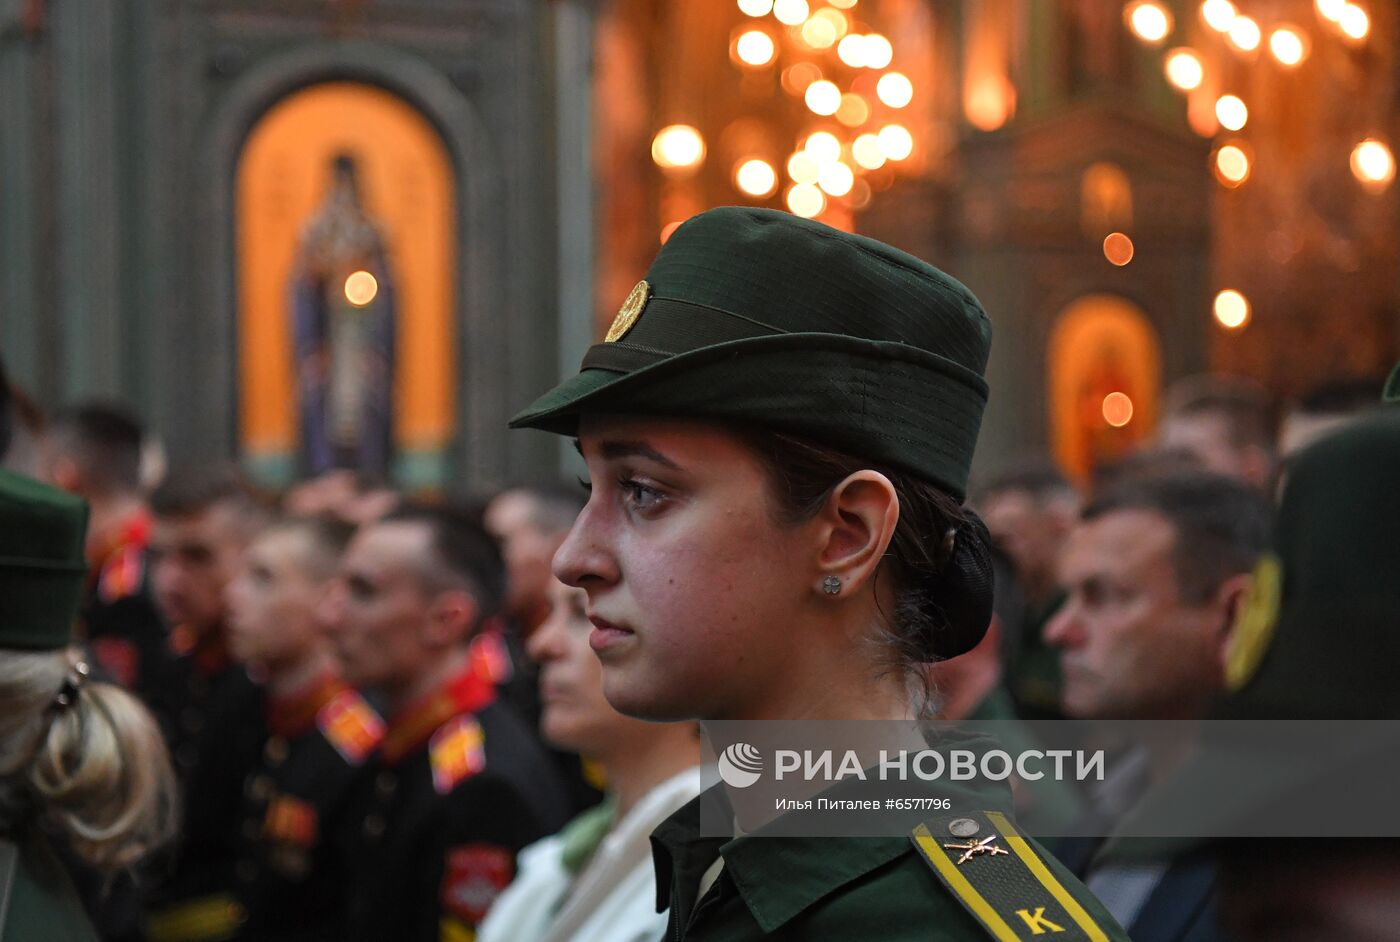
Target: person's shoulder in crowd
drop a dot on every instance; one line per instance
(962, 876)
(43, 903)
(281, 878)
(453, 793)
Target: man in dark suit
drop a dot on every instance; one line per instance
(1154, 571)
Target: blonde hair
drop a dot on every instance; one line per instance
(97, 770)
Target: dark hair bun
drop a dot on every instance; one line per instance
(962, 592)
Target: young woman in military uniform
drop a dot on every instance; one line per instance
(778, 430)
(80, 761)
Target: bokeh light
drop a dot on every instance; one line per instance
(1117, 409)
(802, 168)
(1218, 14)
(1232, 165)
(823, 98)
(819, 33)
(790, 12)
(878, 51)
(896, 141)
(836, 18)
(851, 51)
(1244, 34)
(755, 48)
(678, 147)
(1118, 248)
(1231, 309)
(361, 288)
(797, 78)
(854, 110)
(756, 7)
(868, 152)
(1231, 112)
(895, 89)
(805, 199)
(1289, 45)
(824, 147)
(836, 178)
(756, 177)
(1149, 20)
(1355, 22)
(1330, 10)
(1373, 163)
(1184, 69)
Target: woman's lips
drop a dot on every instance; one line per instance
(605, 634)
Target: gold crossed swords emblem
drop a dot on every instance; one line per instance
(972, 849)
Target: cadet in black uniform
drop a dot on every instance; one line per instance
(94, 451)
(778, 430)
(459, 783)
(279, 879)
(201, 527)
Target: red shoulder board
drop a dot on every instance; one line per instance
(490, 657)
(457, 751)
(291, 820)
(121, 575)
(473, 875)
(351, 726)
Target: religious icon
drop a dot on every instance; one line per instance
(343, 329)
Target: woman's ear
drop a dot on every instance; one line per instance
(856, 525)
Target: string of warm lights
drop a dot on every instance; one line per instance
(839, 71)
(1289, 45)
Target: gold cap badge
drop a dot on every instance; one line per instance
(1254, 626)
(629, 312)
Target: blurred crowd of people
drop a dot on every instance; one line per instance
(385, 720)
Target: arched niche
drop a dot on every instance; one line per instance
(1100, 345)
(408, 189)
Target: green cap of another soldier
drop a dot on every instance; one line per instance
(759, 317)
(1392, 385)
(42, 567)
(1316, 639)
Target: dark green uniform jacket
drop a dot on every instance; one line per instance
(43, 904)
(888, 888)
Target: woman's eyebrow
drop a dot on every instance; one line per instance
(626, 449)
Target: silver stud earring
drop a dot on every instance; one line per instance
(831, 585)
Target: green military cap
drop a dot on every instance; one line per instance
(1392, 385)
(42, 567)
(758, 316)
(1316, 639)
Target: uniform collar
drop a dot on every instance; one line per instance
(134, 532)
(207, 649)
(293, 714)
(466, 692)
(777, 877)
